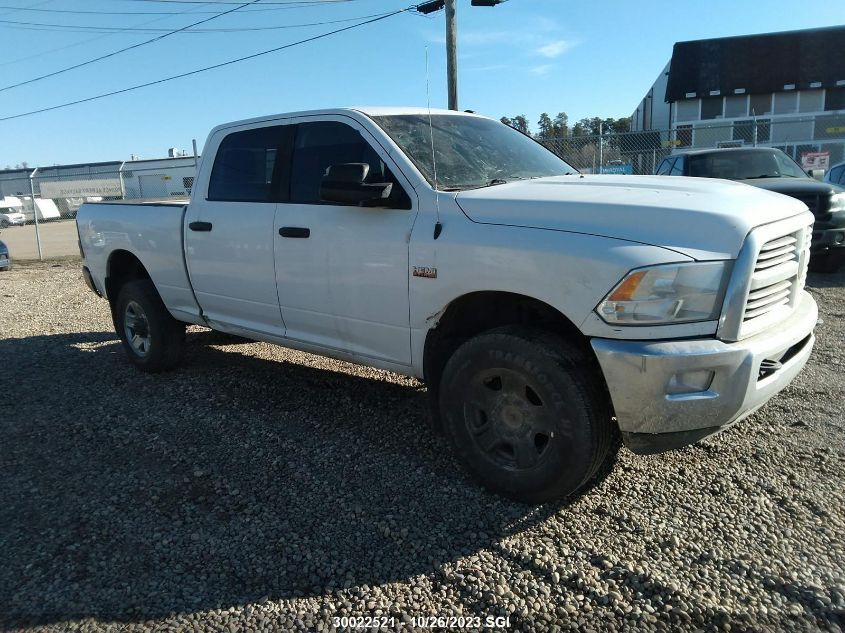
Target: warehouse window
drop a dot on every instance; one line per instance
(811, 100)
(244, 166)
(786, 102)
(834, 99)
(761, 104)
(686, 110)
(712, 108)
(736, 106)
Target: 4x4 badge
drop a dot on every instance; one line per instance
(425, 271)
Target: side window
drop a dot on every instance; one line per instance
(665, 167)
(678, 167)
(322, 144)
(245, 165)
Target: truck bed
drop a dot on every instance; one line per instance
(152, 232)
(149, 202)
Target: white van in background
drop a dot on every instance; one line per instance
(46, 209)
(11, 212)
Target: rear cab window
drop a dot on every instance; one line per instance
(247, 165)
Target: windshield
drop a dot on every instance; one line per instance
(470, 151)
(742, 165)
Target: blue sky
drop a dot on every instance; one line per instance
(593, 58)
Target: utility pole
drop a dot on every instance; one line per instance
(430, 6)
(452, 53)
(601, 148)
(35, 213)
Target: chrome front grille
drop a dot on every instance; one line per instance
(768, 277)
(766, 299)
(780, 270)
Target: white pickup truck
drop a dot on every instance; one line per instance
(546, 310)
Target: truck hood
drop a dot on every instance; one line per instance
(702, 218)
(794, 186)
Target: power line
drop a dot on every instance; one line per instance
(207, 68)
(299, 4)
(289, 2)
(74, 28)
(190, 9)
(29, 8)
(128, 48)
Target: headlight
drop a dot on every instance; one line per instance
(669, 293)
(837, 202)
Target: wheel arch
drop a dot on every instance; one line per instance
(480, 311)
(122, 266)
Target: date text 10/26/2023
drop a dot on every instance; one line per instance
(424, 622)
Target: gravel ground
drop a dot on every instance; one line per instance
(257, 488)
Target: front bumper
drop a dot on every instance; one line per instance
(827, 240)
(668, 394)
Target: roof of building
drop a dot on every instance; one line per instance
(756, 64)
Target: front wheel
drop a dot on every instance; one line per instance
(526, 413)
(4, 223)
(152, 338)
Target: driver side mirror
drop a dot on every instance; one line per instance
(344, 184)
(818, 174)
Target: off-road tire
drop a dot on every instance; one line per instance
(550, 400)
(165, 334)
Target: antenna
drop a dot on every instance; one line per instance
(438, 227)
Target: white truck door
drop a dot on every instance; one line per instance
(342, 271)
(229, 237)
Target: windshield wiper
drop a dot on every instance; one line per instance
(760, 176)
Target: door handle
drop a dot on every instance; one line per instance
(294, 231)
(200, 226)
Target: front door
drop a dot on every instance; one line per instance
(229, 237)
(342, 271)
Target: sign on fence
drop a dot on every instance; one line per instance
(106, 187)
(624, 168)
(815, 160)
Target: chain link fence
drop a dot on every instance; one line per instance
(37, 206)
(814, 142)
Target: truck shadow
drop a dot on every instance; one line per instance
(234, 479)
(827, 280)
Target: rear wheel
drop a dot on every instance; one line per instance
(152, 338)
(526, 413)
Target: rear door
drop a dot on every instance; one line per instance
(342, 271)
(229, 239)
